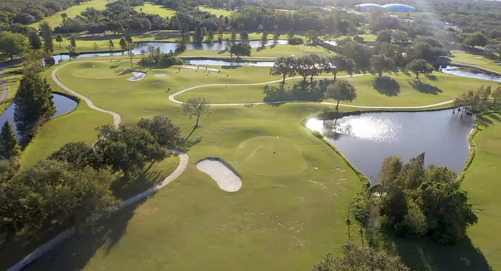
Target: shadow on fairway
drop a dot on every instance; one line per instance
(75, 253)
(424, 254)
(387, 86)
(424, 88)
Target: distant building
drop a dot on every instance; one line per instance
(399, 8)
(389, 7)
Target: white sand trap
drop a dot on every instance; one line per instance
(220, 172)
(162, 75)
(137, 76)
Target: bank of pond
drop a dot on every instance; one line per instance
(167, 47)
(366, 139)
(63, 104)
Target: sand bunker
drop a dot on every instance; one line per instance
(220, 172)
(162, 75)
(137, 76)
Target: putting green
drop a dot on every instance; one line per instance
(270, 156)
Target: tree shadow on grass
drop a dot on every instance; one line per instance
(260, 48)
(424, 254)
(75, 253)
(487, 119)
(222, 52)
(424, 88)
(387, 86)
(431, 77)
(302, 91)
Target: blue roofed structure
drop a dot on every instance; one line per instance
(389, 7)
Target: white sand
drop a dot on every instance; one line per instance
(224, 176)
(162, 75)
(137, 76)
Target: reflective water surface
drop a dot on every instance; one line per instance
(367, 139)
(63, 105)
(457, 71)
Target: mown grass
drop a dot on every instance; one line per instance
(56, 19)
(156, 10)
(217, 12)
(274, 222)
(482, 184)
(441, 87)
(11, 76)
(476, 60)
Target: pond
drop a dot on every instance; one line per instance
(226, 63)
(166, 47)
(368, 138)
(470, 73)
(63, 105)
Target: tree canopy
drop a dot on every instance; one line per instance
(13, 44)
(341, 90)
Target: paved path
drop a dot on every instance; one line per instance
(117, 119)
(183, 163)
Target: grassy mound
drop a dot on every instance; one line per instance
(270, 156)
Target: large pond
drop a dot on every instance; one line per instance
(470, 73)
(166, 47)
(367, 139)
(63, 105)
(226, 63)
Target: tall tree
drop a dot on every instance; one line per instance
(33, 104)
(123, 45)
(240, 49)
(341, 90)
(418, 66)
(276, 34)
(244, 37)
(13, 44)
(285, 66)
(290, 34)
(111, 46)
(130, 46)
(162, 129)
(264, 39)
(196, 107)
(8, 142)
(59, 39)
(46, 31)
(35, 41)
(233, 36)
(496, 94)
(339, 63)
(210, 36)
(197, 36)
(381, 63)
(358, 258)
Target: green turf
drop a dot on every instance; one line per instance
(193, 210)
(476, 60)
(437, 88)
(11, 77)
(482, 184)
(156, 9)
(270, 156)
(56, 19)
(276, 221)
(217, 12)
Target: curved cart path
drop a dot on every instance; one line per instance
(183, 164)
(173, 99)
(117, 119)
